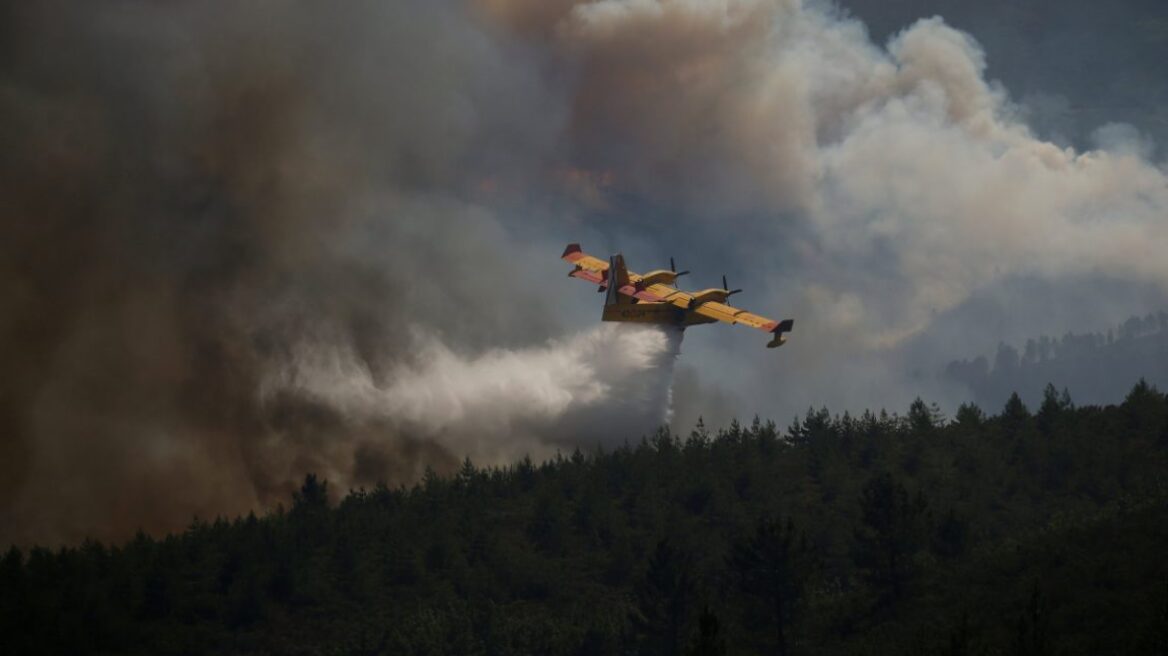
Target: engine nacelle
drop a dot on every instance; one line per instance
(660, 276)
(716, 295)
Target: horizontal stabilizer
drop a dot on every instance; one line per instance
(779, 339)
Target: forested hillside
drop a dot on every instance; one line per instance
(1026, 532)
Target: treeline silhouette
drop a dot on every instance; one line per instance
(1021, 533)
(1098, 366)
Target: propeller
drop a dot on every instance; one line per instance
(673, 268)
(729, 292)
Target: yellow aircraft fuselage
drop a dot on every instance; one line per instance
(652, 312)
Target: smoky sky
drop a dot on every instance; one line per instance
(1076, 66)
(194, 198)
(241, 245)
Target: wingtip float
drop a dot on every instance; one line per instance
(653, 298)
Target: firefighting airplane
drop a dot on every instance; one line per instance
(652, 298)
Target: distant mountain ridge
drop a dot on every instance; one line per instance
(1094, 367)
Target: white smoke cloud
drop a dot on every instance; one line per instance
(940, 180)
(892, 183)
(605, 385)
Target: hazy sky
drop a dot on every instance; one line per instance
(242, 245)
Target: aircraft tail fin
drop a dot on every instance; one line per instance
(618, 276)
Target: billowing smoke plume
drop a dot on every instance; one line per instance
(601, 387)
(241, 245)
(879, 188)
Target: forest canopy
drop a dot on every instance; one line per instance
(1030, 531)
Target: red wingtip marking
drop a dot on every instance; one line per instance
(587, 275)
(572, 249)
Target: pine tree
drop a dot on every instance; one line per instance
(891, 534)
(772, 565)
(969, 416)
(709, 641)
(1015, 415)
(1054, 407)
(663, 600)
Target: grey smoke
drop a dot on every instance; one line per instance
(241, 245)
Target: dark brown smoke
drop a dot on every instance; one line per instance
(189, 196)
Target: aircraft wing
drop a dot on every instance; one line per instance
(729, 314)
(722, 312)
(733, 315)
(592, 269)
(671, 295)
(596, 270)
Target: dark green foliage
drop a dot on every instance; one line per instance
(1015, 416)
(772, 565)
(709, 642)
(969, 416)
(899, 534)
(951, 536)
(923, 418)
(890, 535)
(1031, 637)
(1055, 407)
(664, 600)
